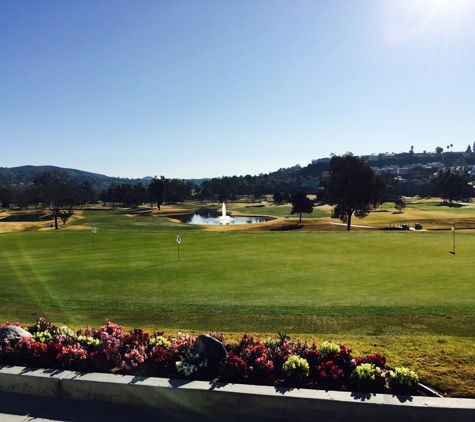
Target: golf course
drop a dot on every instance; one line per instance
(407, 294)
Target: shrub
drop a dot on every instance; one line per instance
(400, 378)
(328, 349)
(233, 368)
(295, 369)
(272, 362)
(368, 376)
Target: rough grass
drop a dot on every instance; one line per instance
(399, 293)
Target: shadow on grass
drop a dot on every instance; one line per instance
(162, 263)
(296, 226)
(450, 205)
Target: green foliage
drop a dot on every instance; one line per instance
(453, 185)
(402, 376)
(400, 203)
(328, 348)
(301, 204)
(295, 368)
(278, 211)
(278, 197)
(352, 188)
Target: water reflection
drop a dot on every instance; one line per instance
(212, 217)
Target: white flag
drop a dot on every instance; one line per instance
(453, 228)
(94, 229)
(178, 239)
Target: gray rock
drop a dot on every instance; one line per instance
(13, 333)
(209, 348)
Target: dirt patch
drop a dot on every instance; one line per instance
(20, 227)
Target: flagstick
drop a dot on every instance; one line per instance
(453, 229)
(178, 241)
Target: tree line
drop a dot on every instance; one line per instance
(54, 190)
(351, 187)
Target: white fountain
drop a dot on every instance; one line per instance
(223, 218)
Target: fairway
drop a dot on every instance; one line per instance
(132, 264)
(402, 293)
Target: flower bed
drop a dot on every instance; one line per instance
(271, 362)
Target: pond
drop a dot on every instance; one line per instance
(212, 217)
(21, 218)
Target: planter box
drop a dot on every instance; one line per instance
(245, 400)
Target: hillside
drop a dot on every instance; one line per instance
(24, 175)
(291, 178)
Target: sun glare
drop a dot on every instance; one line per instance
(407, 20)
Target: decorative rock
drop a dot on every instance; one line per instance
(13, 333)
(209, 348)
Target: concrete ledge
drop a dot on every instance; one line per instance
(38, 382)
(246, 400)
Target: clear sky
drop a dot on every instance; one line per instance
(204, 88)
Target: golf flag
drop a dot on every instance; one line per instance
(453, 227)
(94, 229)
(178, 239)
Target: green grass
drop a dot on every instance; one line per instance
(277, 211)
(398, 293)
(133, 266)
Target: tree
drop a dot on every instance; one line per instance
(440, 150)
(400, 204)
(468, 150)
(6, 196)
(453, 185)
(58, 193)
(352, 187)
(23, 199)
(320, 195)
(223, 194)
(301, 204)
(278, 197)
(178, 191)
(86, 193)
(139, 194)
(257, 194)
(158, 189)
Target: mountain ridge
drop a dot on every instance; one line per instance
(25, 175)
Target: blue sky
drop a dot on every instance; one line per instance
(192, 89)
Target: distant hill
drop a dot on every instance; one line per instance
(287, 179)
(24, 176)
